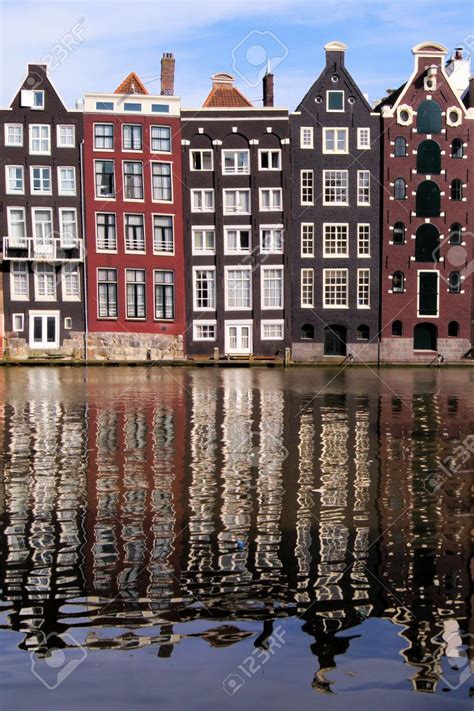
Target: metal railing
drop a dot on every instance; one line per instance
(53, 250)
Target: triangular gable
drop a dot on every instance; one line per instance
(132, 84)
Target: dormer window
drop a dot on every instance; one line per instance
(38, 100)
(335, 101)
(33, 99)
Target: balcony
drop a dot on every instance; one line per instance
(22, 249)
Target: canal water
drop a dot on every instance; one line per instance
(235, 538)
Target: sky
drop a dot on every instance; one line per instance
(92, 46)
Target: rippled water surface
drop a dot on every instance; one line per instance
(234, 538)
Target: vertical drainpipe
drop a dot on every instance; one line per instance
(84, 264)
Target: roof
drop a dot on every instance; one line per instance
(391, 98)
(224, 94)
(131, 85)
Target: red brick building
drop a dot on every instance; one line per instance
(426, 280)
(133, 203)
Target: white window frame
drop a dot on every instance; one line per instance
(237, 228)
(133, 125)
(128, 271)
(154, 199)
(306, 173)
(263, 270)
(360, 274)
(160, 152)
(261, 151)
(310, 144)
(70, 126)
(43, 314)
(201, 151)
(165, 253)
(194, 192)
(272, 322)
(201, 268)
(8, 190)
(335, 255)
(61, 211)
(9, 221)
(103, 150)
(39, 153)
(21, 327)
(41, 168)
(67, 192)
(41, 297)
(142, 175)
(335, 202)
(203, 228)
(64, 270)
(272, 228)
(303, 225)
(127, 250)
(235, 151)
(115, 281)
(237, 190)
(361, 144)
(236, 267)
(34, 210)
(101, 250)
(361, 188)
(335, 91)
(35, 106)
(273, 192)
(107, 198)
(24, 268)
(304, 274)
(7, 142)
(336, 151)
(325, 273)
(204, 322)
(363, 255)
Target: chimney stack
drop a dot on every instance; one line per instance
(167, 74)
(268, 85)
(458, 53)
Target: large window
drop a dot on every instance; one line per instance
(307, 187)
(272, 287)
(103, 136)
(202, 200)
(363, 240)
(204, 289)
(335, 187)
(14, 134)
(270, 199)
(238, 288)
(363, 288)
(236, 202)
(269, 159)
(335, 140)
(132, 137)
(45, 282)
(164, 294)
(363, 187)
(136, 295)
(19, 281)
(106, 234)
(66, 180)
(201, 159)
(71, 282)
(104, 178)
(42, 225)
(66, 136)
(134, 233)
(17, 226)
(335, 288)
(163, 240)
(335, 101)
(335, 240)
(161, 139)
(68, 227)
(427, 243)
(428, 118)
(237, 240)
(15, 180)
(161, 182)
(107, 293)
(428, 199)
(40, 139)
(271, 239)
(41, 183)
(307, 288)
(204, 240)
(235, 162)
(307, 239)
(428, 158)
(133, 180)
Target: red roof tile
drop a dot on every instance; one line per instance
(224, 94)
(131, 85)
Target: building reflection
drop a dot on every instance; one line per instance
(227, 495)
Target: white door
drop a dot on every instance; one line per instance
(238, 339)
(44, 330)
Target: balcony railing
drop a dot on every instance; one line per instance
(53, 250)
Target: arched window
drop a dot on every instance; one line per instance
(457, 149)
(428, 158)
(455, 233)
(400, 147)
(454, 282)
(400, 189)
(397, 328)
(307, 332)
(427, 244)
(363, 332)
(399, 231)
(428, 199)
(398, 282)
(428, 118)
(456, 189)
(453, 329)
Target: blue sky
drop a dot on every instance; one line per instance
(95, 44)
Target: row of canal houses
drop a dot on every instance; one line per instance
(134, 229)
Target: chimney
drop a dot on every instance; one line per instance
(268, 89)
(335, 52)
(458, 53)
(167, 74)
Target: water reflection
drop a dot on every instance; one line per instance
(132, 502)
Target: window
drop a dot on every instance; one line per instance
(68, 323)
(204, 240)
(400, 150)
(66, 181)
(163, 239)
(132, 106)
(272, 330)
(363, 187)
(38, 100)
(428, 199)
(42, 225)
(397, 328)
(428, 158)
(71, 282)
(15, 180)
(106, 235)
(335, 101)
(307, 239)
(271, 240)
(204, 289)
(41, 180)
(400, 189)
(18, 322)
(160, 108)
(164, 295)
(161, 139)
(204, 330)
(136, 299)
(454, 283)
(161, 182)
(66, 136)
(202, 200)
(68, 227)
(363, 333)
(17, 226)
(107, 293)
(201, 160)
(13, 134)
(104, 178)
(335, 187)
(363, 288)
(45, 282)
(104, 105)
(456, 189)
(236, 201)
(335, 240)
(428, 118)
(455, 233)
(103, 136)
(307, 332)
(307, 187)
(453, 329)
(398, 282)
(132, 137)
(306, 137)
(133, 180)
(335, 140)
(237, 240)
(363, 240)
(427, 243)
(399, 232)
(335, 288)
(19, 281)
(307, 288)
(40, 139)
(235, 162)
(457, 149)
(363, 138)
(269, 160)
(238, 288)
(270, 199)
(272, 287)
(134, 233)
